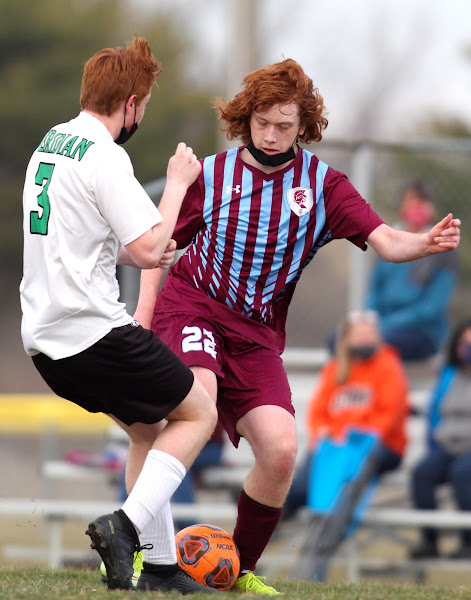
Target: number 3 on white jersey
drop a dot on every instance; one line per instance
(193, 338)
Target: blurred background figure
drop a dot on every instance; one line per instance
(448, 459)
(412, 298)
(363, 386)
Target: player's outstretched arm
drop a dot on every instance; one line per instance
(402, 246)
(183, 168)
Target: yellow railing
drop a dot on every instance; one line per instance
(36, 413)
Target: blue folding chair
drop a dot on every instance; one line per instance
(340, 486)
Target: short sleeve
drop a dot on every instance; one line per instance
(348, 215)
(190, 219)
(121, 199)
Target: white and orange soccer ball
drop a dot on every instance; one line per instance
(209, 555)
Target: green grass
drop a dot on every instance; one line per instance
(19, 583)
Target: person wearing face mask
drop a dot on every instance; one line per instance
(412, 299)
(448, 459)
(363, 386)
(252, 222)
(84, 212)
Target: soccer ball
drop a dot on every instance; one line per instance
(209, 555)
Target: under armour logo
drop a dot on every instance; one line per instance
(230, 189)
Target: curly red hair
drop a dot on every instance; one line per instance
(113, 74)
(279, 83)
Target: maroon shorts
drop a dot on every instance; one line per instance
(249, 375)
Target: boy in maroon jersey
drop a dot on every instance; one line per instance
(253, 220)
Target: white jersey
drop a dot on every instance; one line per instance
(81, 202)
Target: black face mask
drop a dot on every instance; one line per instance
(124, 134)
(271, 160)
(362, 352)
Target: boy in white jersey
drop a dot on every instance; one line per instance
(84, 212)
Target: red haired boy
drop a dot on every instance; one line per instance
(252, 221)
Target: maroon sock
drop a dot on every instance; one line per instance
(254, 528)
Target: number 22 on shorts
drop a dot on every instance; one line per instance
(198, 340)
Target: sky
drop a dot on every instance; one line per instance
(384, 67)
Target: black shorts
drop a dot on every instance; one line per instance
(130, 373)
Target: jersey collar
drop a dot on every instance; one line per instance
(101, 129)
(275, 174)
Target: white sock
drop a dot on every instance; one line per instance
(160, 476)
(160, 533)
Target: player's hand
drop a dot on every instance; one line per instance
(183, 167)
(445, 235)
(168, 257)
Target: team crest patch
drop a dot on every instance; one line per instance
(300, 200)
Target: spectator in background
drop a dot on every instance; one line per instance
(412, 298)
(449, 443)
(364, 386)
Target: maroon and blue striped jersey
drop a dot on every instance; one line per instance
(251, 234)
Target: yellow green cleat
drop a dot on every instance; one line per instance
(253, 584)
(137, 565)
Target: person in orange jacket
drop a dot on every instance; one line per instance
(363, 386)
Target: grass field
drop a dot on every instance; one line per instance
(19, 583)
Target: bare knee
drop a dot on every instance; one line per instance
(205, 388)
(197, 407)
(210, 416)
(142, 434)
(279, 459)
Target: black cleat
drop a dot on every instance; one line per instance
(115, 539)
(168, 578)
